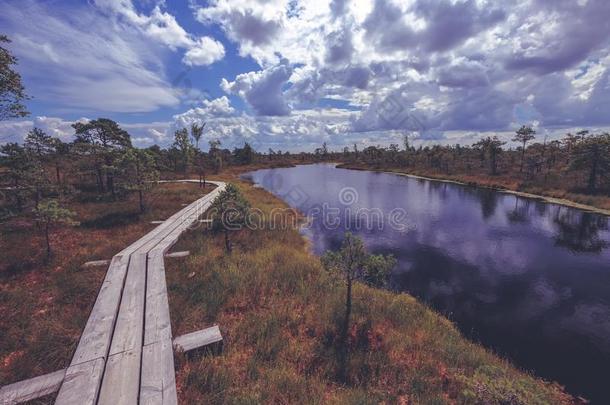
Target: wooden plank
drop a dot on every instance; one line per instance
(158, 375)
(157, 325)
(96, 263)
(113, 325)
(84, 376)
(95, 340)
(184, 253)
(130, 320)
(179, 217)
(158, 231)
(121, 384)
(158, 385)
(199, 339)
(190, 218)
(33, 388)
(81, 383)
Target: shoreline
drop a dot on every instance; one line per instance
(548, 199)
(292, 260)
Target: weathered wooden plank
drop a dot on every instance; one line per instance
(158, 379)
(184, 253)
(158, 385)
(158, 231)
(32, 388)
(84, 376)
(96, 263)
(116, 318)
(130, 320)
(157, 325)
(81, 383)
(203, 204)
(121, 384)
(198, 339)
(95, 340)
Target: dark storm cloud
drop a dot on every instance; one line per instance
(249, 27)
(357, 76)
(467, 74)
(486, 109)
(451, 24)
(385, 28)
(266, 97)
(598, 108)
(244, 24)
(581, 27)
(448, 24)
(339, 47)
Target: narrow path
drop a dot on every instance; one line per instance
(125, 353)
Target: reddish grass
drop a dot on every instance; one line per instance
(556, 186)
(279, 313)
(44, 306)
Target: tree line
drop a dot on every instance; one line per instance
(580, 161)
(39, 176)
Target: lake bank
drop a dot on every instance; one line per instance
(521, 276)
(279, 312)
(547, 198)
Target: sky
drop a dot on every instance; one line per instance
(292, 74)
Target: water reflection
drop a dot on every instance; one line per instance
(519, 214)
(489, 201)
(529, 279)
(580, 231)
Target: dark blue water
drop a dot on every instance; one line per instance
(528, 279)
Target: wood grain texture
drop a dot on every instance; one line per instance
(96, 263)
(158, 385)
(121, 384)
(33, 388)
(130, 321)
(157, 319)
(81, 383)
(95, 340)
(198, 339)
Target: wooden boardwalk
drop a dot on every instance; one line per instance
(125, 353)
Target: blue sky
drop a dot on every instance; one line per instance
(291, 74)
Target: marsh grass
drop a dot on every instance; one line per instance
(279, 315)
(278, 311)
(44, 307)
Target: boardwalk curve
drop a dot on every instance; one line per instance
(125, 353)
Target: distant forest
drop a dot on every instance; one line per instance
(102, 160)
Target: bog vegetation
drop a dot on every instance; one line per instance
(576, 167)
(297, 330)
(294, 332)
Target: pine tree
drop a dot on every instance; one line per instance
(524, 135)
(184, 145)
(50, 213)
(229, 213)
(352, 263)
(101, 140)
(12, 92)
(492, 147)
(139, 173)
(593, 155)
